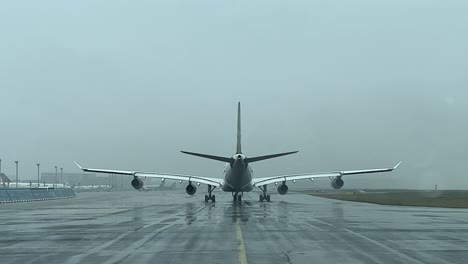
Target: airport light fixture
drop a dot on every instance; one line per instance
(38, 179)
(16, 162)
(56, 179)
(0, 166)
(61, 177)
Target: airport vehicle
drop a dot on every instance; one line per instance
(238, 174)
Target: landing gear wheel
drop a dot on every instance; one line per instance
(234, 198)
(268, 198)
(206, 198)
(261, 198)
(239, 198)
(213, 198)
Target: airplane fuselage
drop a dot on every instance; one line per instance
(238, 176)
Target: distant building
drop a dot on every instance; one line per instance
(75, 179)
(87, 179)
(4, 181)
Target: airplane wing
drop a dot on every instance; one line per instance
(311, 176)
(179, 177)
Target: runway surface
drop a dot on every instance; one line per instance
(171, 227)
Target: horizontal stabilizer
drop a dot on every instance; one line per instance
(218, 158)
(259, 158)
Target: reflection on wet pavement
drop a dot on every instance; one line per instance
(168, 227)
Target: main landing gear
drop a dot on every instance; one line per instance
(264, 196)
(210, 196)
(237, 197)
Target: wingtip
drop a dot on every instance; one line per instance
(78, 165)
(398, 165)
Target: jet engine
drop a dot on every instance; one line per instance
(337, 183)
(191, 189)
(283, 189)
(137, 183)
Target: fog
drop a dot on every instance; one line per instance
(127, 85)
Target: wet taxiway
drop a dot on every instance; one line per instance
(170, 227)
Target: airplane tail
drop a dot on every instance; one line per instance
(162, 184)
(239, 147)
(239, 142)
(231, 160)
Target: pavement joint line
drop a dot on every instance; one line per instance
(79, 258)
(241, 255)
(396, 252)
(124, 254)
(354, 247)
(439, 260)
(140, 243)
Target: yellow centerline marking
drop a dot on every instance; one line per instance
(241, 256)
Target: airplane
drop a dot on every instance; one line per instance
(238, 174)
(160, 187)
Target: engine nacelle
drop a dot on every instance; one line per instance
(191, 189)
(337, 183)
(283, 189)
(137, 183)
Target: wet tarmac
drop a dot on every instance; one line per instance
(171, 227)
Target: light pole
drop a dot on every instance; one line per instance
(38, 180)
(56, 179)
(0, 166)
(61, 176)
(16, 173)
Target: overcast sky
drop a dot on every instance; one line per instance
(127, 84)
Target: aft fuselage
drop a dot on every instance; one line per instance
(238, 176)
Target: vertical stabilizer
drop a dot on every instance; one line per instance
(239, 143)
